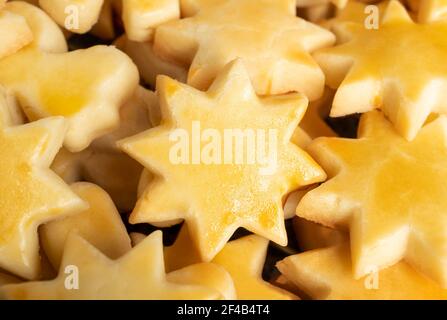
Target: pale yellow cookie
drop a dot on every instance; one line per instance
(266, 35)
(100, 224)
(31, 193)
(138, 275)
(244, 194)
(326, 274)
(406, 91)
(87, 87)
(388, 192)
(243, 259)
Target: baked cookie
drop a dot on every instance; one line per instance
(272, 42)
(247, 192)
(388, 192)
(138, 275)
(407, 92)
(100, 224)
(95, 83)
(31, 193)
(326, 274)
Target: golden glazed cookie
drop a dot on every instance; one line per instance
(138, 275)
(326, 274)
(246, 193)
(100, 224)
(182, 262)
(273, 44)
(407, 92)
(31, 193)
(388, 192)
(87, 87)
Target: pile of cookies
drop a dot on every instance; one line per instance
(204, 149)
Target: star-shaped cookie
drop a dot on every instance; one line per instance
(326, 274)
(274, 44)
(100, 224)
(137, 275)
(184, 270)
(31, 194)
(388, 192)
(87, 87)
(217, 191)
(406, 92)
(243, 259)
